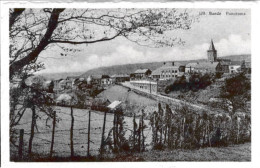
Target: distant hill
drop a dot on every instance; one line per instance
(130, 68)
(55, 76)
(246, 57)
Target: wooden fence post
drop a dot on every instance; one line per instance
(139, 136)
(143, 130)
(32, 130)
(134, 132)
(71, 133)
(20, 151)
(103, 136)
(53, 131)
(89, 116)
(114, 130)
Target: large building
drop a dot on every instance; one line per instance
(145, 85)
(168, 70)
(142, 73)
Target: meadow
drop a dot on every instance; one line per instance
(43, 132)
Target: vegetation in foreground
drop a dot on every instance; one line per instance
(241, 152)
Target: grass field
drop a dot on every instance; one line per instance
(42, 137)
(240, 152)
(132, 102)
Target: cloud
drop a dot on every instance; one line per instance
(127, 54)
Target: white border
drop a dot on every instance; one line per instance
(255, 24)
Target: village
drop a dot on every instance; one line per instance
(138, 96)
(152, 81)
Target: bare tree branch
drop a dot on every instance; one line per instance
(17, 12)
(53, 22)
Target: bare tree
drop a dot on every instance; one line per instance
(35, 30)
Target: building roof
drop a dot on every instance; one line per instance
(224, 63)
(165, 68)
(212, 47)
(105, 77)
(192, 64)
(120, 76)
(114, 104)
(157, 72)
(64, 97)
(207, 66)
(141, 70)
(143, 82)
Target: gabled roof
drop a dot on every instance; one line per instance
(120, 76)
(105, 77)
(157, 72)
(192, 64)
(114, 104)
(207, 66)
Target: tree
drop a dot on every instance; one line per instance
(236, 93)
(35, 30)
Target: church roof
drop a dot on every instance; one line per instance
(208, 66)
(212, 47)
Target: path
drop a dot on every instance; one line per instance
(162, 97)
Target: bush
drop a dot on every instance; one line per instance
(195, 83)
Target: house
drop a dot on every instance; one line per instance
(59, 85)
(235, 66)
(223, 67)
(246, 67)
(168, 70)
(119, 78)
(95, 79)
(207, 67)
(105, 80)
(189, 68)
(142, 73)
(145, 85)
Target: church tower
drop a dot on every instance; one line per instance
(212, 53)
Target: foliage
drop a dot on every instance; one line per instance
(116, 140)
(35, 30)
(28, 94)
(236, 93)
(187, 129)
(195, 82)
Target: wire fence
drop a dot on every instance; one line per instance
(61, 136)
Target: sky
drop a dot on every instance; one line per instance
(230, 34)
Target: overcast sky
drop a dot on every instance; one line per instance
(231, 36)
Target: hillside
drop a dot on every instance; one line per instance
(130, 68)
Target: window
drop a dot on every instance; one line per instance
(175, 71)
(232, 67)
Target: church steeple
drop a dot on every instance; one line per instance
(212, 52)
(212, 47)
